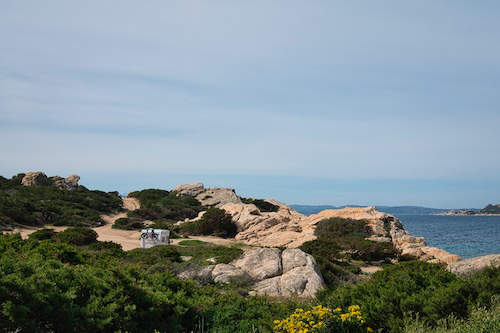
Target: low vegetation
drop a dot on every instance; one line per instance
(51, 285)
(481, 319)
(339, 244)
(161, 205)
(416, 287)
(48, 205)
(214, 222)
(129, 223)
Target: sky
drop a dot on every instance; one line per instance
(324, 102)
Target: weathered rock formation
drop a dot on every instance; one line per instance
(209, 196)
(41, 179)
(290, 229)
(470, 266)
(272, 272)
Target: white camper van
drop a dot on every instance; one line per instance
(152, 237)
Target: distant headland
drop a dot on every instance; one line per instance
(489, 210)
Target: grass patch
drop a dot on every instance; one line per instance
(192, 242)
(200, 252)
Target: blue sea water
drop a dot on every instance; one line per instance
(467, 236)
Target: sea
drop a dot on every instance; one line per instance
(467, 236)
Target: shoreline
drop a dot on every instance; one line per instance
(458, 214)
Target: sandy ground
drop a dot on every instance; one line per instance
(129, 239)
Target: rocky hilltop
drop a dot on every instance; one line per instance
(285, 227)
(40, 179)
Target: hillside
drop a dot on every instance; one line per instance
(33, 199)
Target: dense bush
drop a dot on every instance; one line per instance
(480, 320)
(160, 204)
(215, 222)
(341, 241)
(416, 287)
(77, 236)
(156, 255)
(263, 205)
(128, 223)
(40, 292)
(43, 234)
(107, 247)
(201, 251)
(340, 227)
(42, 205)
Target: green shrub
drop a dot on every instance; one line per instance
(480, 320)
(341, 241)
(109, 247)
(126, 223)
(164, 254)
(201, 251)
(160, 204)
(414, 287)
(77, 236)
(215, 222)
(340, 227)
(42, 234)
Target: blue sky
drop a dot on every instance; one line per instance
(325, 102)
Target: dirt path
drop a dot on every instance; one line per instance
(130, 239)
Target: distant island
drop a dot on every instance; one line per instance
(394, 210)
(489, 210)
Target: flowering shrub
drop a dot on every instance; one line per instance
(323, 319)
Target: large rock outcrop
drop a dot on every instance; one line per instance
(40, 179)
(271, 271)
(215, 197)
(288, 228)
(35, 179)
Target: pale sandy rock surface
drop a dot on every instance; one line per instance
(208, 196)
(301, 277)
(260, 263)
(34, 178)
(264, 267)
(191, 190)
(470, 266)
(39, 178)
(68, 183)
(288, 228)
(224, 273)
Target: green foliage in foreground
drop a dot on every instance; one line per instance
(481, 319)
(416, 287)
(42, 205)
(215, 222)
(50, 286)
